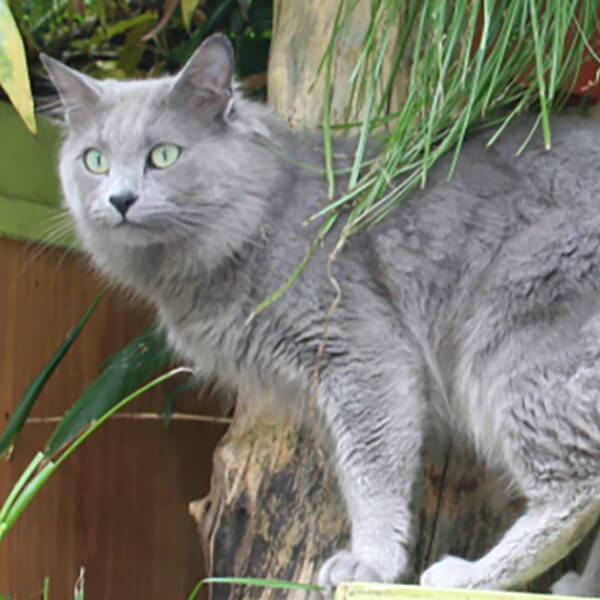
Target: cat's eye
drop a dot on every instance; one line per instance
(96, 161)
(164, 155)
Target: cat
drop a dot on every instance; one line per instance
(475, 305)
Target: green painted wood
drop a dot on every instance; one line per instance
(29, 187)
(384, 591)
(29, 221)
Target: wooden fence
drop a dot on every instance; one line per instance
(118, 506)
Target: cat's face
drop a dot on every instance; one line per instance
(147, 162)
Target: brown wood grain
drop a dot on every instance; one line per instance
(119, 505)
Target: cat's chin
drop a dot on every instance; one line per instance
(127, 234)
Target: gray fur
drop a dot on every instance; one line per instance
(475, 306)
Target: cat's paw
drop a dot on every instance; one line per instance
(574, 584)
(449, 572)
(345, 566)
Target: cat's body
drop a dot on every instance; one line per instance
(475, 304)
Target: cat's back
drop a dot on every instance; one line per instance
(452, 228)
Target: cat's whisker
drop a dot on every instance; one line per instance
(56, 228)
(66, 252)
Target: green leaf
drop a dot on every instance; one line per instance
(103, 35)
(14, 76)
(187, 12)
(40, 469)
(252, 55)
(130, 367)
(26, 495)
(181, 53)
(17, 488)
(21, 412)
(21, 494)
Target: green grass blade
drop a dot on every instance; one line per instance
(20, 484)
(26, 495)
(328, 97)
(133, 365)
(38, 471)
(21, 412)
(83, 435)
(330, 221)
(256, 582)
(540, 73)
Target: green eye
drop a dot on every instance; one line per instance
(96, 161)
(164, 155)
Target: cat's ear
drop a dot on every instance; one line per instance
(77, 92)
(207, 77)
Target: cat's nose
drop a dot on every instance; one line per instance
(123, 202)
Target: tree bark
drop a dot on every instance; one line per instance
(301, 35)
(274, 510)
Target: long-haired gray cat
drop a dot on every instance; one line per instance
(477, 304)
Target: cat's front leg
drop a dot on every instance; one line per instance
(376, 424)
(549, 529)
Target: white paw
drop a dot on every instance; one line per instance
(574, 584)
(567, 584)
(449, 572)
(345, 566)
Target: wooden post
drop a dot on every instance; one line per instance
(301, 35)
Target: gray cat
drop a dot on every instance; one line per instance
(476, 305)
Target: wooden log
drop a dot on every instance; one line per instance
(274, 509)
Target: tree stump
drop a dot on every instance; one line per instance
(274, 509)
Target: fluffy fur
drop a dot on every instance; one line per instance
(475, 306)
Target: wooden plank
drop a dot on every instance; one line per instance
(118, 506)
(380, 591)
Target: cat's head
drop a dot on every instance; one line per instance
(162, 161)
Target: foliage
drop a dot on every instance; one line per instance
(113, 38)
(13, 68)
(21, 412)
(276, 584)
(123, 378)
(471, 62)
(124, 372)
(45, 463)
(124, 39)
